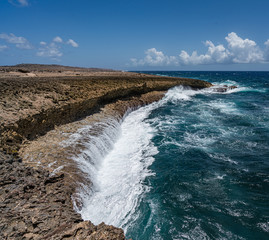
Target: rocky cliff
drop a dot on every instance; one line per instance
(34, 203)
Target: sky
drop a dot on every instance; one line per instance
(137, 34)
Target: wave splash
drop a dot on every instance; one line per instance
(118, 160)
(118, 177)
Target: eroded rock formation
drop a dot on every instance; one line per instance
(34, 203)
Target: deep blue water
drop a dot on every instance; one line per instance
(210, 174)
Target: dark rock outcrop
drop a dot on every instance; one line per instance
(223, 88)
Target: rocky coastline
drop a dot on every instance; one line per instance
(35, 99)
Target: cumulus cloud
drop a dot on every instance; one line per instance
(243, 50)
(266, 53)
(154, 58)
(238, 50)
(51, 50)
(22, 3)
(20, 42)
(72, 43)
(194, 58)
(3, 47)
(215, 54)
(58, 39)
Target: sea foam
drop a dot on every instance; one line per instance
(118, 179)
(117, 162)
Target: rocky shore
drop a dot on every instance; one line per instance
(35, 99)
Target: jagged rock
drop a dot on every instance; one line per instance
(232, 87)
(224, 88)
(86, 230)
(34, 204)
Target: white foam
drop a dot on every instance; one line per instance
(220, 177)
(225, 107)
(240, 88)
(118, 181)
(264, 226)
(117, 162)
(116, 159)
(222, 157)
(198, 139)
(180, 93)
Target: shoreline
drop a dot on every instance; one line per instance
(37, 204)
(55, 151)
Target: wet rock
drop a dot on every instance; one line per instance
(223, 88)
(232, 87)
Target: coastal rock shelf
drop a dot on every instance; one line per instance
(35, 99)
(56, 150)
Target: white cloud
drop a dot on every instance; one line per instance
(243, 50)
(3, 47)
(215, 54)
(58, 39)
(238, 50)
(266, 52)
(194, 59)
(52, 50)
(20, 42)
(72, 43)
(22, 3)
(155, 58)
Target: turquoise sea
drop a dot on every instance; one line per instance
(194, 165)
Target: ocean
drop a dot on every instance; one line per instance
(194, 165)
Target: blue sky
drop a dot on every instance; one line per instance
(137, 35)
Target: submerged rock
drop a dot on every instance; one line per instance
(223, 88)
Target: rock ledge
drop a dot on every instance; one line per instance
(35, 204)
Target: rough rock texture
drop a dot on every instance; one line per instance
(223, 88)
(32, 106)
(34, 204)
(56, 151)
